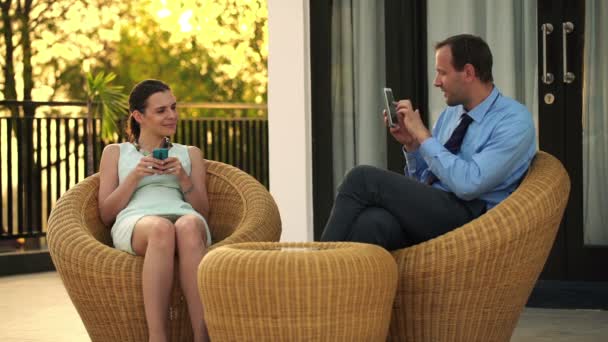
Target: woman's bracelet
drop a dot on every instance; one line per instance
(189, 190)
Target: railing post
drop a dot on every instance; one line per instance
(90, 167)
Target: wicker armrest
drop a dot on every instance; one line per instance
(242, 209)
(76, 235)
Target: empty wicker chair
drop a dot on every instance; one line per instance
(472, 283)
(105, 284)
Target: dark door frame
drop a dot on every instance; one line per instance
(550, 120)
(321, 121)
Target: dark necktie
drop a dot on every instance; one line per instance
(453, 144)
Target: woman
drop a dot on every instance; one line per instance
(158, 206)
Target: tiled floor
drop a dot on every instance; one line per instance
(544, 325)
(36, 307)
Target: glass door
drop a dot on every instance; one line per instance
(595, 125)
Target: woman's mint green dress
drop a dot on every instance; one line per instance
(155, 195)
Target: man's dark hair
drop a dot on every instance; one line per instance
(467, 48)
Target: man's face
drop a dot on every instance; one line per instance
(448, 79)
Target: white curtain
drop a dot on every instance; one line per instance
(595, 124)
(509, 28)
(358, 66)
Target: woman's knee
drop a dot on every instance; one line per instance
(154, 232)
(189, 230)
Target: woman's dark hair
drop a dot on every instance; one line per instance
(467, 48)
(138, 100)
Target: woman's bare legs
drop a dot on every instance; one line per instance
(154, 238)
(191, 246)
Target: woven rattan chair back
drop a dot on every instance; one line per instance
(472, 283)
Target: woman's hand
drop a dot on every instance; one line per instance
(172, 166)
(147, 166)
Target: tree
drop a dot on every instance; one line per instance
(16, 18)
(106, 102)
(232, 33)
(42, 37)
(8, 68)
(29, 27)
(208, 51)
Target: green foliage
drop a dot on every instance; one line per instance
(142, 58)
(107, 102)
(207, 51)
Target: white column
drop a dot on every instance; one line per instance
(289, 123)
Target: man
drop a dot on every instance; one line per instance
(480, 148)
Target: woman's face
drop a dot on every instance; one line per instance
(160, 116)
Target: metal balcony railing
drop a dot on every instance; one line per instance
(42, 156)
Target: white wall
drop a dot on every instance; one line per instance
(289, 124)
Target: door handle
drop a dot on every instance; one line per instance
(547, 29)
(567, 28)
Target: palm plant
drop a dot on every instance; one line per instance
(106, 102)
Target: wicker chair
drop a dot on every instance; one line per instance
(471, 284)
(105, 284)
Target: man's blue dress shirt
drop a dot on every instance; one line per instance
(495, 153)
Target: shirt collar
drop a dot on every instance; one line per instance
(480, 111)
